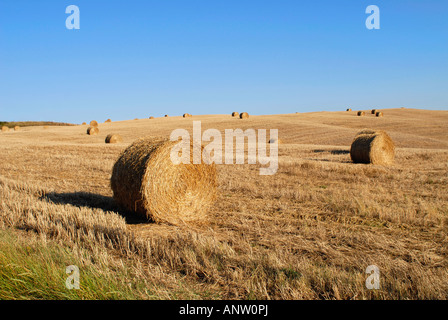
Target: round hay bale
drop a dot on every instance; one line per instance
(373, 111)
(145, 180)
(166, 116)
(93, 123)
(374, 147)
(278, 141)
(151, 117)
(361, 113)
(91, 131)
(235, 114)
(244, 115)
(349, 109)
(16, 128)
(187, 115)
(84, 123)
(108, 120)
(113, 138)
(379, 114)
(5, 129)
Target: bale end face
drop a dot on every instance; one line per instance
(373, 111)
(361, 113)
(375, 147)
(146, 181)
(379, 114)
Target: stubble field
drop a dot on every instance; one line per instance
(307, 232)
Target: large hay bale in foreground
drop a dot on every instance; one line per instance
(374, 147)
(5, 129)
(361, 113)
(145, 180)
(113, 138)
(235, 114)
(93, 123)
(244, 115)
(91, 131)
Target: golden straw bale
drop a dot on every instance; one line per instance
(113, 138)
(91, 131)
(244, 115)
(147, 182)
(370, 146)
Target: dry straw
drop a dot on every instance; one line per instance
(145, 180)
(379, 114)
(371, 146)
(235, 114)
(244, 115)
(91, 131)
(361, 113)
(113, 138)
(5, 129)
(93, 123)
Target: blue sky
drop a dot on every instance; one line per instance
(140, 58)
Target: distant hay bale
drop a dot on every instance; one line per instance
(91, 131)
(93, 123)
(166, 116)
(151, 117)
(278, 141)
(373, 111)
(187, 115)
(113, 138)
(235, 114)
(46, 127)
(379, 114)
(145, 180)
(349, 109)
(361, 113)
(370, 146)
(136, 119)
(16, 128)
(108, 120)
(5, 129)
(244, 115)
(84, 123)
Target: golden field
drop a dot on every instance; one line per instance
(307, 232)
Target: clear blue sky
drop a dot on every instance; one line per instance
(138, 58)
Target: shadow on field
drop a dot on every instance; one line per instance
(91, 200)
(334, 151)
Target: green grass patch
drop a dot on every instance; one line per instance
(34, 269)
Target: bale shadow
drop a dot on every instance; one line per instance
(334, 151)
(91, 200)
